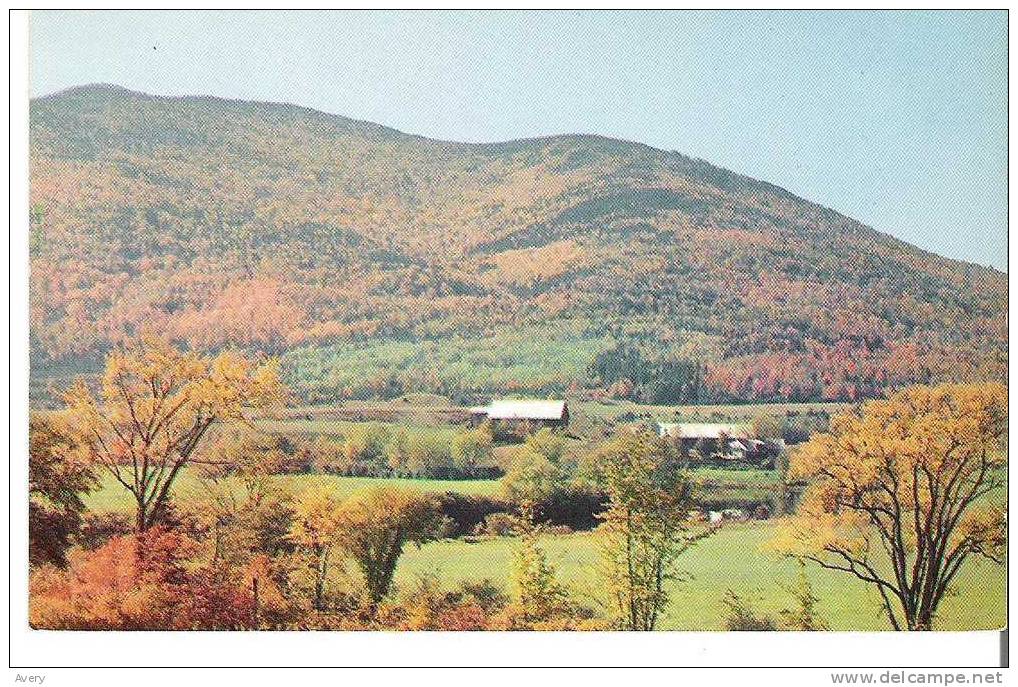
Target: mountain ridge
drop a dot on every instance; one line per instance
(173, 210)
(101, 87)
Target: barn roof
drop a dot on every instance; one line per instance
(704, 430)
(523, 410)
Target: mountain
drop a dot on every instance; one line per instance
(378, 262)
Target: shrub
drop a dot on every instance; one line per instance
(99, 528)
(742, 617)
(136, 582)
(297, 458)
(465, 513)
(487, 595)
(804, 615)
(576, 507)
(426, 606)
(498, 525)
(329, 455)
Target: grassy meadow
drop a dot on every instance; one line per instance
(732, 412)
(735, 558)
(111, 496)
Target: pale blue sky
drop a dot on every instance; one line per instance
(896, 119)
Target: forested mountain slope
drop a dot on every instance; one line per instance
(378, 262)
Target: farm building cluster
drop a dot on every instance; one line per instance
(723, 443)
(709, 442)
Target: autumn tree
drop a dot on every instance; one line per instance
(247, 513)
(903, 492)
(530, 477)
(538, 596)
(471, 451)
(535, 469)
(58, 476)
(135, 582)
(413, 453)
(376, 524)
(548, 443)
(316, 528)
(246, 455)
(154, 407)
(645, 527)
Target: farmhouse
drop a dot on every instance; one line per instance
(720, 441)
(742, 449)
(526, 415)
(695, 431)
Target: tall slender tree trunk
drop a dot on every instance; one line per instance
(921, 620)
(254, 594)
(141, 516)
(633, 622)
(320, 573)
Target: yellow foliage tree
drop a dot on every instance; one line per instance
(154, 407)
(315, 529)
(902, 491)
(539, 596)
(645, 528)
(375, 525)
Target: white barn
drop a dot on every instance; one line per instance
(537, 412)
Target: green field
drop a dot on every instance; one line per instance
(541, 360)
(342, 428)
(749, 477)
(111, 496)
(736, 559)
(731, 412)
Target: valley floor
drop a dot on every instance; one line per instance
(736, 558)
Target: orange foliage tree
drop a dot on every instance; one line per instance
(155, 405)
(135, 582)
(903, 491)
